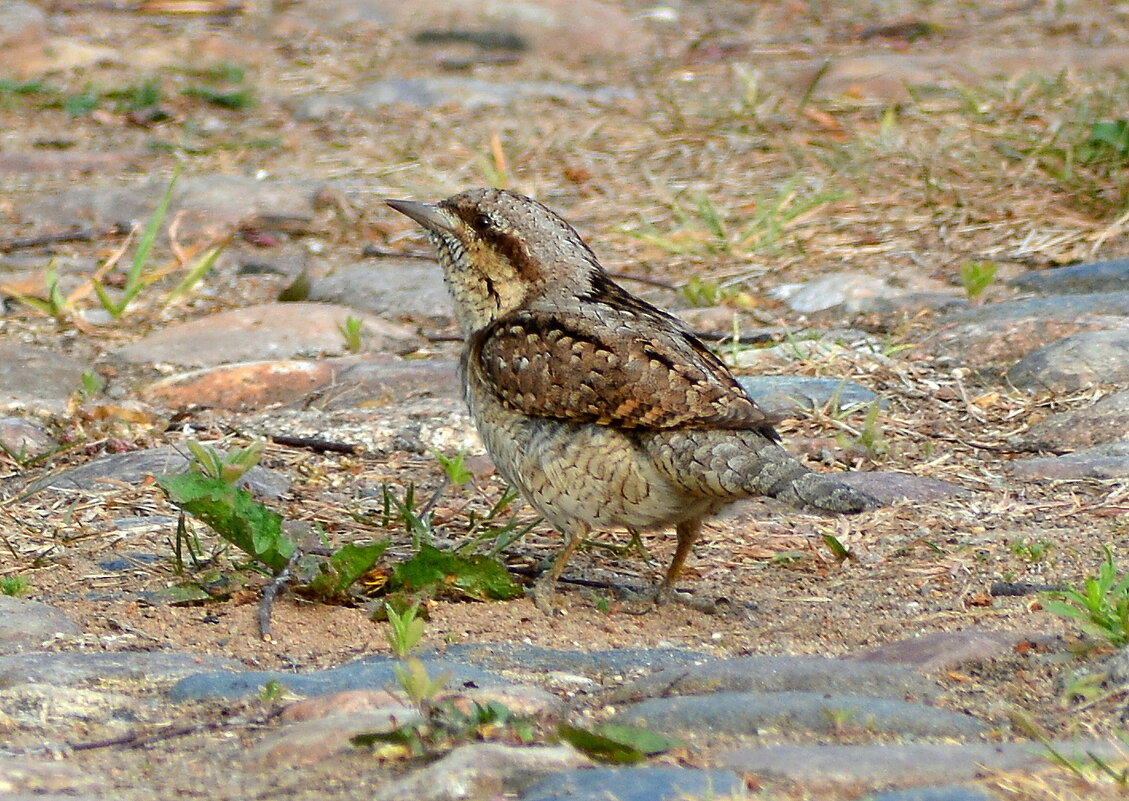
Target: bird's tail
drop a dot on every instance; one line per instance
(823, 492)
(738, 464)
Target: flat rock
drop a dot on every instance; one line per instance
(941, 650)
(903, 764)
(1098, 276)
(371, 383)
(370, 673)
(242, 387)
(888, 76)
(1051, 308)
(535, 659)
(569, 29)
(637, 784)
(38, 777)
(727, 715)
(345, 702)
(838, 289)
(27, 625)
(890, 487)
(517, 698)
(1074, 363)
(1107, 420)
(23, 36)
(48, 709)
(37, 378)
(483, 770)
(73, 162)
(783, 394)
(150, 671)
(779, 674)
(266, 331)
(983, 343)
(309, 742)
(896, 306)
(1101, 461)
(997, 333)
(24, 438)
(106, 473)
(210, 203)
(388, 288)
(471, 93)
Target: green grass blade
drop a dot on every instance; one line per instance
(148, 237)
(199, 269)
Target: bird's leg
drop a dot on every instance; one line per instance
(688, 531)
(544, 589)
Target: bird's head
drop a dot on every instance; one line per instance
(502, 251)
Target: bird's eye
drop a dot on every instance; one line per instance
(483, 222)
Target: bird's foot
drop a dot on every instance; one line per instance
(543, 593)
(665, 595)
(643, 601)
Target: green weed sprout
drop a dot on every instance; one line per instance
(1100, 607)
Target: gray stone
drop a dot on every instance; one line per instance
(36, 778)
(1074, 363)
(891, 76)
(897, 306)
(534, 659)
(1072, 306)
(266, 331)
(637, 784)
(746, 714)
(902, 763)
(24, 438)
(469, 93)
(42, 707)
(308, 742)
(28, 624)
(210, 203)
(1099, 276)
(890, 487)
(387, 288)
(373, 672)
(948, 792)
(372, 383)
(559, 29)
(132, 467)
(1105, 421)
(135, 670)
(483, 770)
(1101, 461)
(838, 289)
(778, 674)
(19, 20)
(941, 649)
(37, 378)
(781, 394)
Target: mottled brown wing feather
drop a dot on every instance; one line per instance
(628, 375)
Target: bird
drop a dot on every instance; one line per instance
(600, 408)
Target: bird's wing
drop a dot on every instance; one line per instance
(612, 372)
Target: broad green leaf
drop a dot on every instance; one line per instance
(645, 740)
(233, 514)
(433, 571)
(347, 564)
(600, 747)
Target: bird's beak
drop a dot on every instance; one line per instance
(428, 215)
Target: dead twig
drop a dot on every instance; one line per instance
(315, 444)
(269, 593)
(139, 739)
(82, 235)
